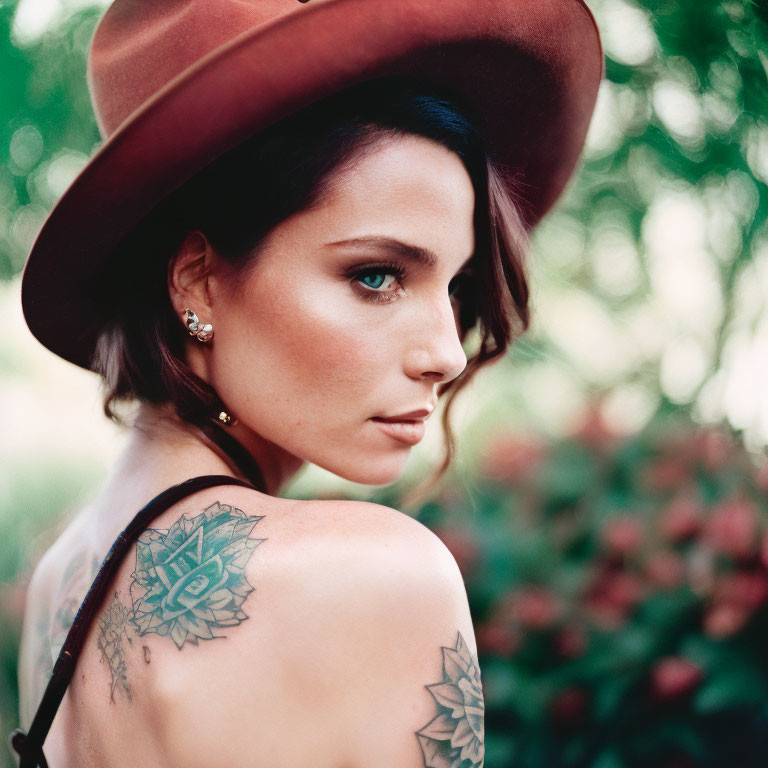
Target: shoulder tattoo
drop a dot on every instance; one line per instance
(189, 579)
(455, 738)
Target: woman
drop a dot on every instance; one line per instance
(295, 222)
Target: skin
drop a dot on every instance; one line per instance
(303, 376)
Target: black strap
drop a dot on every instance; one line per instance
(29, 745)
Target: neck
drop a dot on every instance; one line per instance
(159, 435)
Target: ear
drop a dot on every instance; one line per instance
(189, 273)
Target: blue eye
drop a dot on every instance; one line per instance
(376, 276)
(374, 279)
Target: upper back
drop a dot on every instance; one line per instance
(262, 631)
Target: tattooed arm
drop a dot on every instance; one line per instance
(414, 695)
(351, 647)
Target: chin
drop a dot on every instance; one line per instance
(375, 471)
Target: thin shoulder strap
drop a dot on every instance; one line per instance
(29, 745)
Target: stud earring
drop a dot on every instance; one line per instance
(226, 419)
(196, 328)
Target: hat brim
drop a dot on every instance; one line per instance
(529, 69)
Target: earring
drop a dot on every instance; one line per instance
(226, 419)
(202, 332)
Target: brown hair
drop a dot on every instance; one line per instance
(283, 169)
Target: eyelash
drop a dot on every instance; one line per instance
(371, 294)
(381, 297)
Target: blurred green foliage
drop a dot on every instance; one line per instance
(618, 585)
(47, 126)
(693, 114)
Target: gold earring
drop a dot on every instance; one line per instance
(226, 419)
(202, 332)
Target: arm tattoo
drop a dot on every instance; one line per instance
(457, 734)
(112, 628)
(189, 579)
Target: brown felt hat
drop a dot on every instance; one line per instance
(176, 83)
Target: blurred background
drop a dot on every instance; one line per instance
(609, 503)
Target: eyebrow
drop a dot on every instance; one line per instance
(416, 253)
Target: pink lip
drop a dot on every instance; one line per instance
(410, 432)
(423, 413)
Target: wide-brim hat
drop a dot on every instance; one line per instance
(177, 83)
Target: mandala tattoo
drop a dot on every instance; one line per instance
(112, 628)
(189, 579)
(455, 738)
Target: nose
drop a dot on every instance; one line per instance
(435, 350)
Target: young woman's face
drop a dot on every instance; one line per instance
(340, 322)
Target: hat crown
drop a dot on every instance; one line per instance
(174, 84)
(139, 46)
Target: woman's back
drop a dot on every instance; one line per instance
(308, 639)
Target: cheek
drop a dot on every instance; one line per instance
(315, 344)
(324, 333)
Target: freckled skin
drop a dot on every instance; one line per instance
(303, 360)
(299, 356)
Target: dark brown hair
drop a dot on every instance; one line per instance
(288, 167)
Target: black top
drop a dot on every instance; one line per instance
(29, 745)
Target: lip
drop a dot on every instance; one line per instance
(410, 432)
(422, 413)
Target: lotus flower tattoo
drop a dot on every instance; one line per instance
(192, 575)
(456, 737)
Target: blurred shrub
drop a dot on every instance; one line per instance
(619, 589)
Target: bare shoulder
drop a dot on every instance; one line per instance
(406, 646)
(358, 649)
(254, 630)
(390, 555)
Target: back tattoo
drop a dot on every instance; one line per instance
(189, 584)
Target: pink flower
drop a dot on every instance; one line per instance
(569, 706)
(674, 677)
(623, 589)
(665, 569)
(498, 638)
(732, 527)
(715, 448)
(623, 534)
(511, 458)
(612, 596)
(461, 544)
(593, 431)
(746, 588)
(666, 473)
(724, 619)
(681, 518)
(761, 477)
(571, 642)
(735, 597)
(534, 607)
